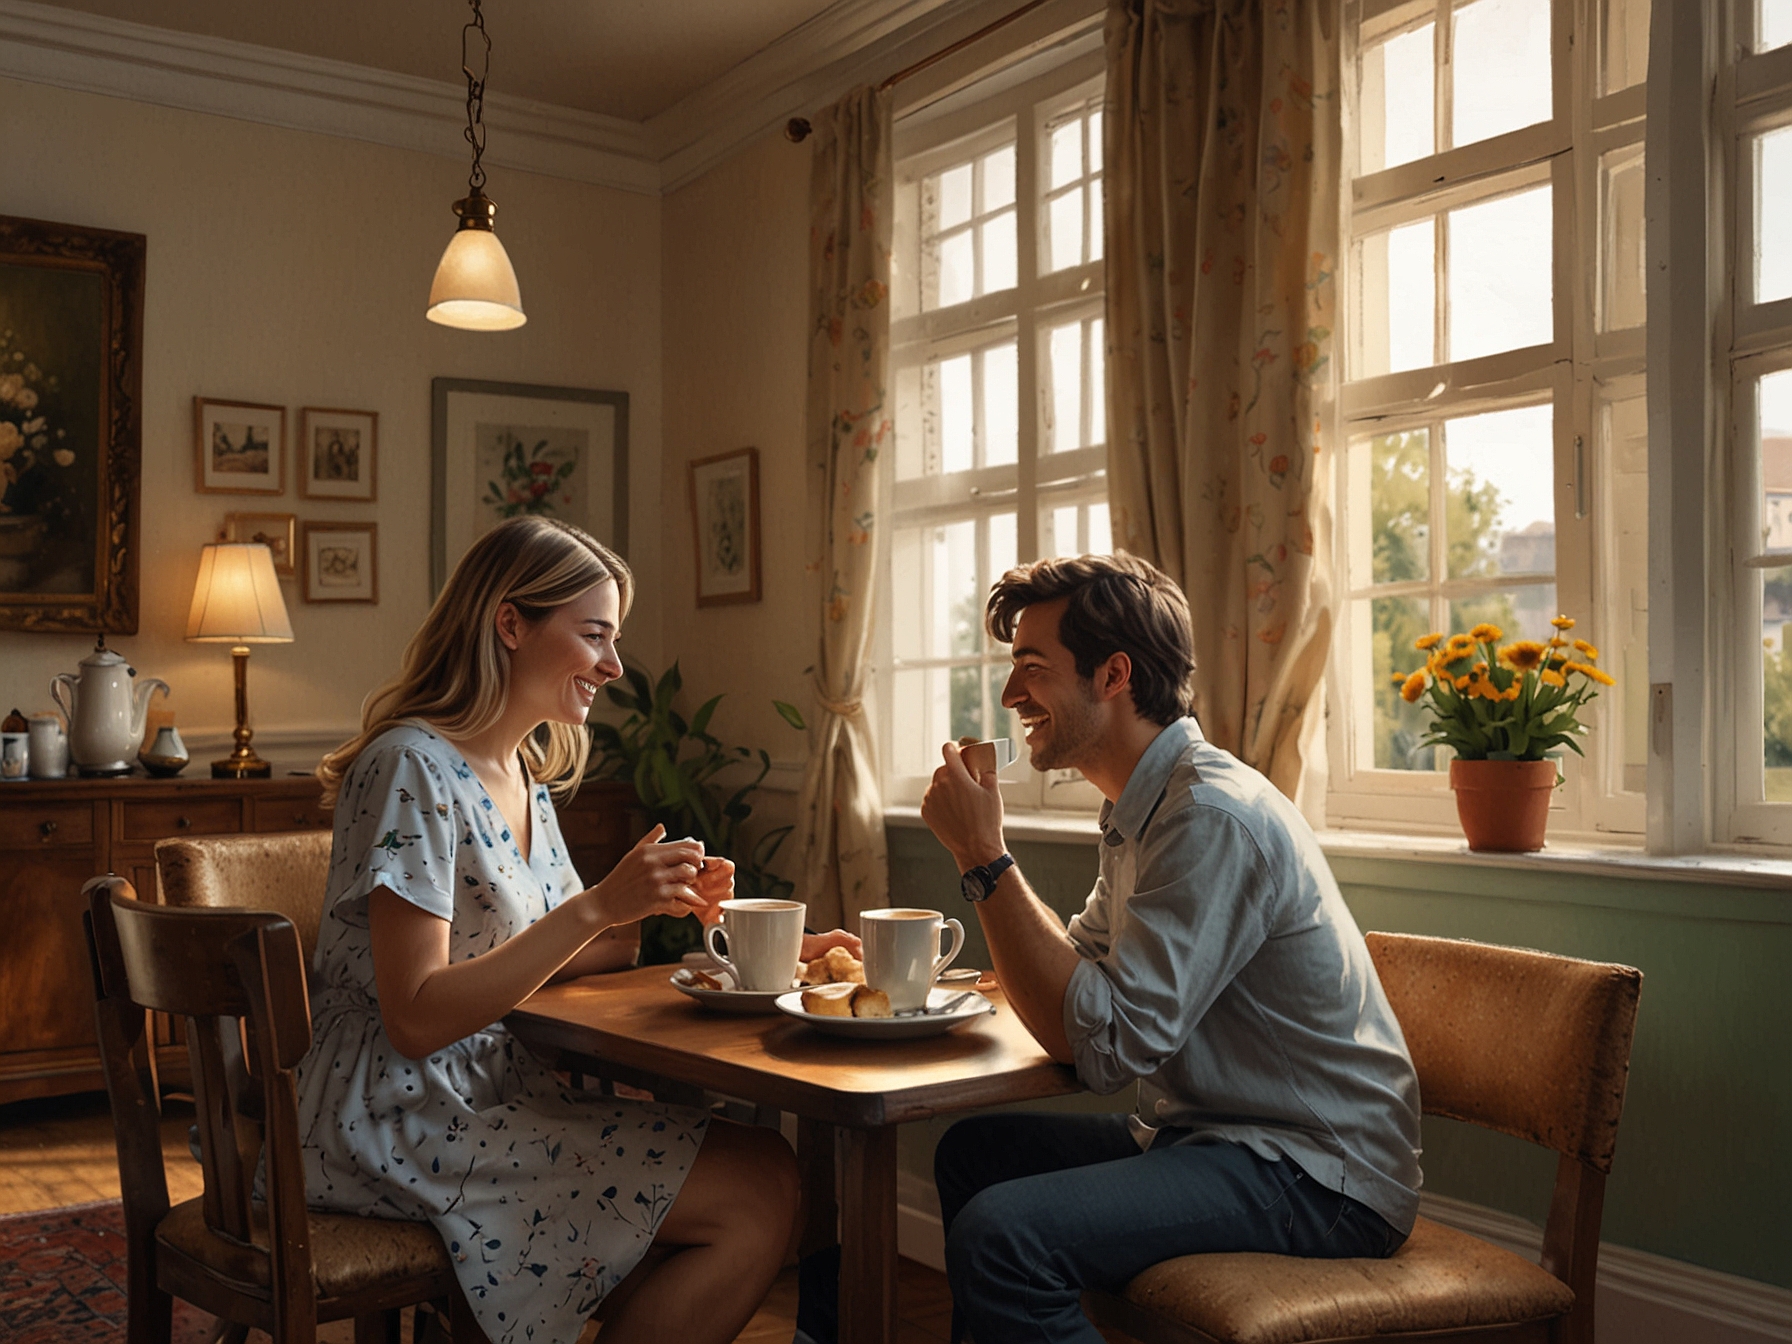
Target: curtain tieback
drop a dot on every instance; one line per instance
(840, 709)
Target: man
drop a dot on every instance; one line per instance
(1215, 965)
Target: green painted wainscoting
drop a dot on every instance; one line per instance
(1704, 1162)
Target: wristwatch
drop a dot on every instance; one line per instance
(980, 883)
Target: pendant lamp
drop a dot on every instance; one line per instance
(475, 288)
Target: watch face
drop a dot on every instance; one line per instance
(973, 889)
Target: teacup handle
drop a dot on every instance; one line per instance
(710, 931)
(957, 946)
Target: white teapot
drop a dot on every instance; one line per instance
(105, 712)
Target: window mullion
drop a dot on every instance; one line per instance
(1028, 216)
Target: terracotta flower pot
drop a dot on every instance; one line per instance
(1503, 805)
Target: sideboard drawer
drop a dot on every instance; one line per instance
(290, 814)
(30, 826)
(160, 818)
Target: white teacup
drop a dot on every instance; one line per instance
(765, 942)
(902, 953)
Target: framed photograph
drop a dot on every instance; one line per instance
(239, 447)
(71, 443)
(277, 531)
(338, 454)
(341, 561)
(725, 517)
(504, 449)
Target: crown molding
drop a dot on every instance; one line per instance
(69, 49)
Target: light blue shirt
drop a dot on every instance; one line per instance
(1224, 974)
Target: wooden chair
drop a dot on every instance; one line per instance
(1529, 1044)
(237, 975)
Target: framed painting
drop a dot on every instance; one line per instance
(71, 441)
(725, 521)
(277, 531)
(500, 450)
(239, 447)
(338, 454)
(341, 562)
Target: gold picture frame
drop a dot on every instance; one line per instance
(239, 447)
(341, 562)
(277, 531)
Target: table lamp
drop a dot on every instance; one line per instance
(237, 601)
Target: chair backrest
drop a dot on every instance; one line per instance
(218, 971)
(287, 873)
(1526, 1043)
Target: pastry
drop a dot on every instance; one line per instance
(868, 1002)
(829, 1000)
(843, 966)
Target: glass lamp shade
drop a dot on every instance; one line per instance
(475, 288)
(237, 597)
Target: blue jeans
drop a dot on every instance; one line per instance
(1039, 1207)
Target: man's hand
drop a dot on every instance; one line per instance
(964, 813)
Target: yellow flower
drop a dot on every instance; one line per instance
(1426, 642)
(1511, 692)
(1462, 682)
(1486, 634)
(1549, 678)
(1562, 622)
(1523, 655)
(1586, 650)
(1592, 673)
(1414, 687)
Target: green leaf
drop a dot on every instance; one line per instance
(789, 713)
(643, 688)
(700, 720)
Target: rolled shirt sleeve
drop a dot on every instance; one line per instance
(1151, 970)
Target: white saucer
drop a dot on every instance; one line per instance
(726, 1000)
(891, 1028)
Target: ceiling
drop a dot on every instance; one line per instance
(624, 58)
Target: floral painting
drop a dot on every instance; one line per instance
(725, 520)
(531, 469)
(70, 441)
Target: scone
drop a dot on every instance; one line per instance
(843, 967)
(829, 1000)
(869, 1002)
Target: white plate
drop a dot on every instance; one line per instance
(726, 1000)
(891, 1028)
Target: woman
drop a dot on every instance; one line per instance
(451, 899)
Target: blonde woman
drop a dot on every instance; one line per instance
(451, 899)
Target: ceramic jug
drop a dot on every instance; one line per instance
(105, 712)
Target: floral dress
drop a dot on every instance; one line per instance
(545, 1196)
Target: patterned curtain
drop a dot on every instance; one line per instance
(840, 823)
(1222, 144)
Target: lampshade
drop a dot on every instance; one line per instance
(475, 288)
(237, 598)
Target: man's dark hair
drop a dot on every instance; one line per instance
(1118, 604)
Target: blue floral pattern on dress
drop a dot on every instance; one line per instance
(544, 1195)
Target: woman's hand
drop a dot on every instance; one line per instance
(715, 884)
(817, 944)
(653, 878)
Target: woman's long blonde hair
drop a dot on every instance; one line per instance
(456, 671)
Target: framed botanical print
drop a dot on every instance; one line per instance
(239, 447)
(341, 562)
(501, 450)
(71, 444)
(725, 518)
(277, 531)
(338, 454)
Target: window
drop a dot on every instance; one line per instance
(997, 355)
(1494, 463)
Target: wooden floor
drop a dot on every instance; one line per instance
(60, 1151)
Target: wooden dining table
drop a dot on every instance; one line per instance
(848, 1096)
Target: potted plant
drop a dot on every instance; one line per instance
(676, 765)
(1504, 711)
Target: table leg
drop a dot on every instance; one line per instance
(815, 1161)
(868, 1236)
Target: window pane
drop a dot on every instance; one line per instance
(1061, 535)
(1625, 39)
(1502, 71)
(1776, 685)
(1004, 550)
(912, 389)
(1098, 381)
(957, 416)
(1066, 347)
(1773, 24)
(1097, 225)
(1398, 100)
(957, 276)
(999, 264)
(1520, 613)
(1621, 269)
(1499, 493)
(1399, 726)
(1101, 540)
(1065, 226)
(1501, 264)
(957, 624)
(1067, 154)
(1624, 623)
(1400, 507)
(1774, 398)
(921, 710)
(955, 196)
(1773, 207)
(1095, 141)
(998, 178)
(1001, 405)
(1396, 300)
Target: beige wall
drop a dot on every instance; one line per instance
(291, 268)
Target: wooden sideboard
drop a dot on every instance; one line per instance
(55, 834)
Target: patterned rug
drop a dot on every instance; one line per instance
(62, 1279)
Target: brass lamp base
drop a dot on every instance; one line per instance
(246, 766)
(242, 763)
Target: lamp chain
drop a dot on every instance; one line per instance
(475, 132)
